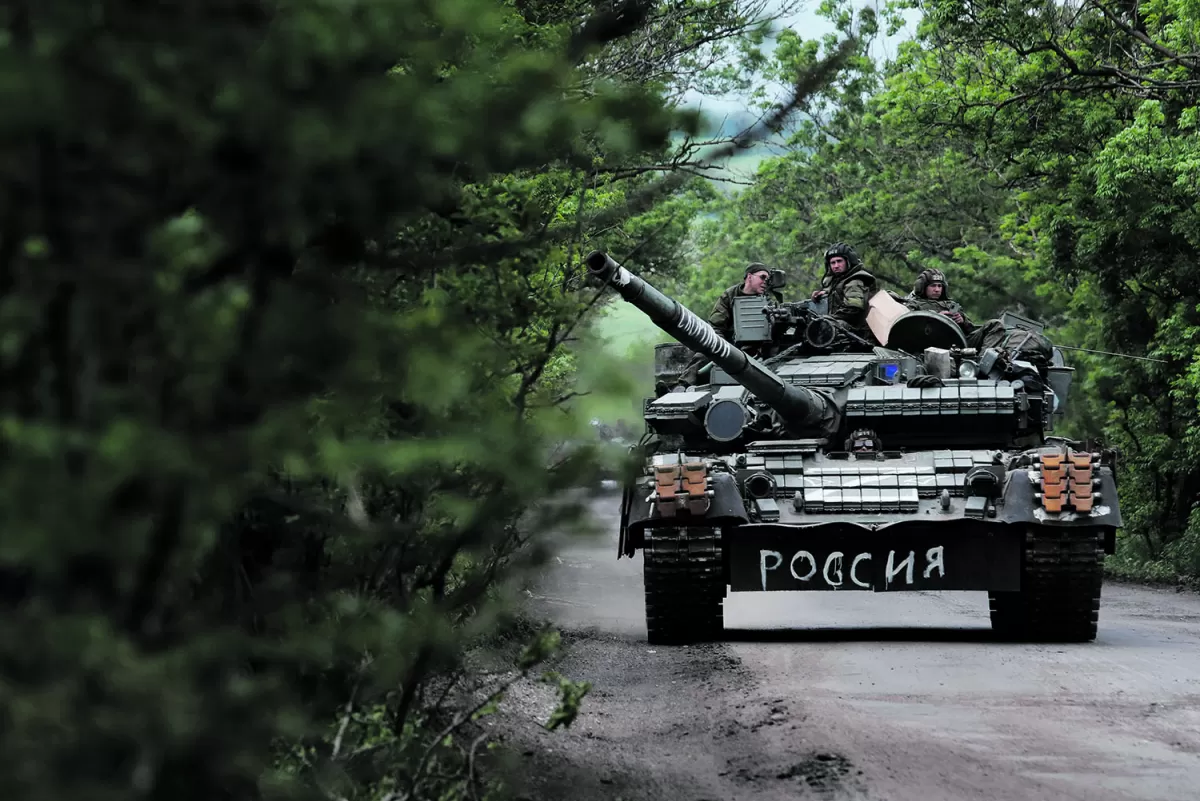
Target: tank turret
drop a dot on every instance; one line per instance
(802, 410)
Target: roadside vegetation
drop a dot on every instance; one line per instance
(1046, 156)
(288, 294)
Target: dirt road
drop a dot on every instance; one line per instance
(861, 695)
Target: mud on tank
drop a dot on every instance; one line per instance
(831, 462)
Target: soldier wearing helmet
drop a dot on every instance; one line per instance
(847, 285)
(863, 440)
(931, 292)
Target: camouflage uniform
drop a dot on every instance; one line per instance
(991, 334)
(721, 316)
(721, 319)
(917, 301)
(848, 291)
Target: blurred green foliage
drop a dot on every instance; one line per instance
(288, 300)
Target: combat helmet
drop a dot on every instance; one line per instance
(863, 440)
(928, 277)
(845, 251)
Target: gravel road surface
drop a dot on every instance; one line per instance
(859, 696)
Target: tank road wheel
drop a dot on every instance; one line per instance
(684, 574)
(1059, 599)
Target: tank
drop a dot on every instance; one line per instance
(670, 361)
(817, 457)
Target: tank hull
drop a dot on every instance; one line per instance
(791, 518)
(919, 557)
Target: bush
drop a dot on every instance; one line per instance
(269, 419)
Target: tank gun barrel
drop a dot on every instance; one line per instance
(800, 407)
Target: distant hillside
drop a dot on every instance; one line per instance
(743, 165)
(624, 329)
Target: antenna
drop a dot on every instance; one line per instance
(1010, 320)
(1110, 353)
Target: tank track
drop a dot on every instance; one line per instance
(684, 572)
(1059, 599)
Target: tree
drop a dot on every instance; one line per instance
(1045, 157)
(1088, 113)
(285, 294)
(853, 174)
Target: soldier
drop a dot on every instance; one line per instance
(754, 282)
(847, 285)
(863, 440)
(931, 292)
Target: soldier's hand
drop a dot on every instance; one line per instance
(820, 293)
